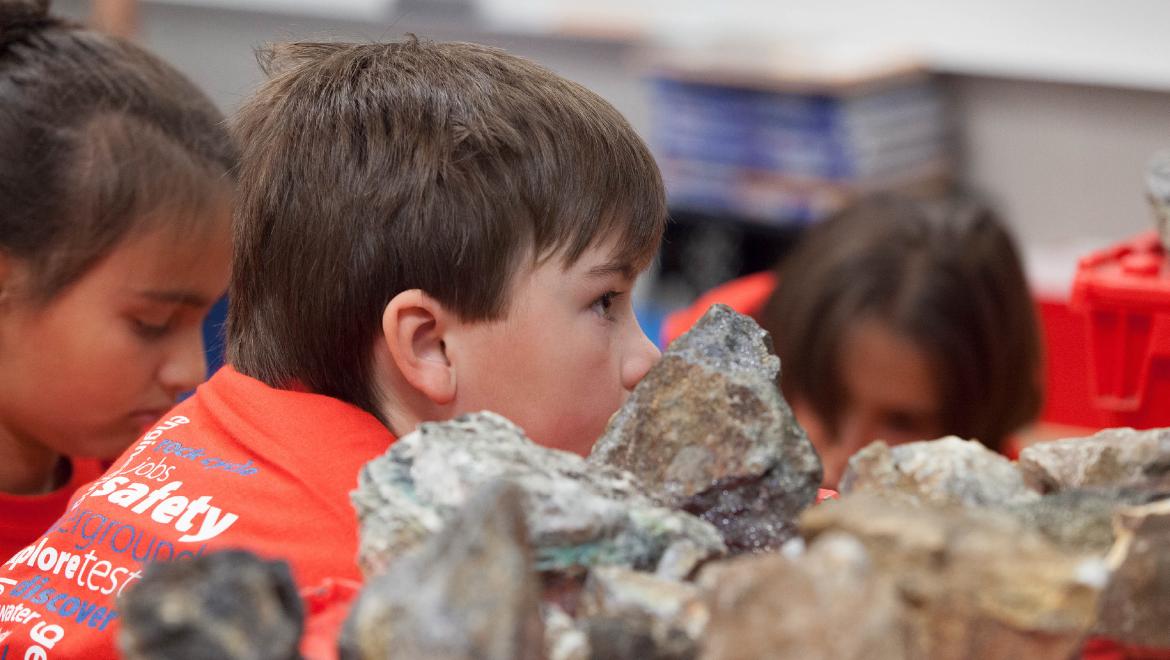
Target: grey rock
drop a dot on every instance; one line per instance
(827, 603)
(229, 604)
(1113, 458)
(635, 637)
(944, 471)
(671, 606)
(563, 640)
(469, 592)
(707, 431)
(1135, 608)
(1079, 520)
(578, 515)
(974, 582)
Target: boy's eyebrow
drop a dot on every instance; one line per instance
(625, 269)
(176, 296)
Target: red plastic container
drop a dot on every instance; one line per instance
(1124, 294)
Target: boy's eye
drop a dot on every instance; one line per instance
(604, 304)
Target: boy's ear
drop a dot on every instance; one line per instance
(413, 327)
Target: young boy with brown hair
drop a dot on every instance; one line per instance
(423, 230)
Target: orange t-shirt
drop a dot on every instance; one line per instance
(746, 295)
(238, 465)
(25, 517)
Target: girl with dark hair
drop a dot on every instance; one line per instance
(898, 320)
(115, 204)
(901, 320)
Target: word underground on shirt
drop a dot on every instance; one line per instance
(166, 507)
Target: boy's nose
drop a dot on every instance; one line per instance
(185, 367)
(639, 360)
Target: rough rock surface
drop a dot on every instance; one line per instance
(616, 590)
(707, 431)
(578, 515)
(1113, 458)
(944, 471)
(672, 607)
(562, 639)
(1135, 607)
(469, 592)
(635, 637)
(1079, 520)
(228, 604)
(975, 582)
(829, 603)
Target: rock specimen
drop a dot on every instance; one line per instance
(616, 591)
(577, 515)
(562, 639)
(1135, 608)
(974, 582)
(628, 614)
(707, 431)
(1113, 458)
(830, 603)
(635, 637)
(1078, 520)
(945, 471)
(469, 592)
(228, 604)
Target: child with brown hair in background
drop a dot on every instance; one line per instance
(423, 230)
(898, 320)
(115, 204)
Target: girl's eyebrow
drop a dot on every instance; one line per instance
(179, 296)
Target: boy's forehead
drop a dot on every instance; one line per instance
(600, 260)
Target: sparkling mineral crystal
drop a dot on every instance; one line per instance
(707, 431)
(828, 603)
(229, 604)
(1112, 458)
(1135, 608)
(975, 583)
(469, 592)
(578, 515)
(945, 471)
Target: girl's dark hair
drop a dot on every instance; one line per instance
(97, 138)
(946, 275)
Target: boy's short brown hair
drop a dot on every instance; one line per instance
(947, 276)
(371, 169)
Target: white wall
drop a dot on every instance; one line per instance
(1064, 159)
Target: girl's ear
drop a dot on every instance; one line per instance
(414, 327)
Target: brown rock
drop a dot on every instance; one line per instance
(707, 431)
(1113, 458)
(828, 604)
(975, 582)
